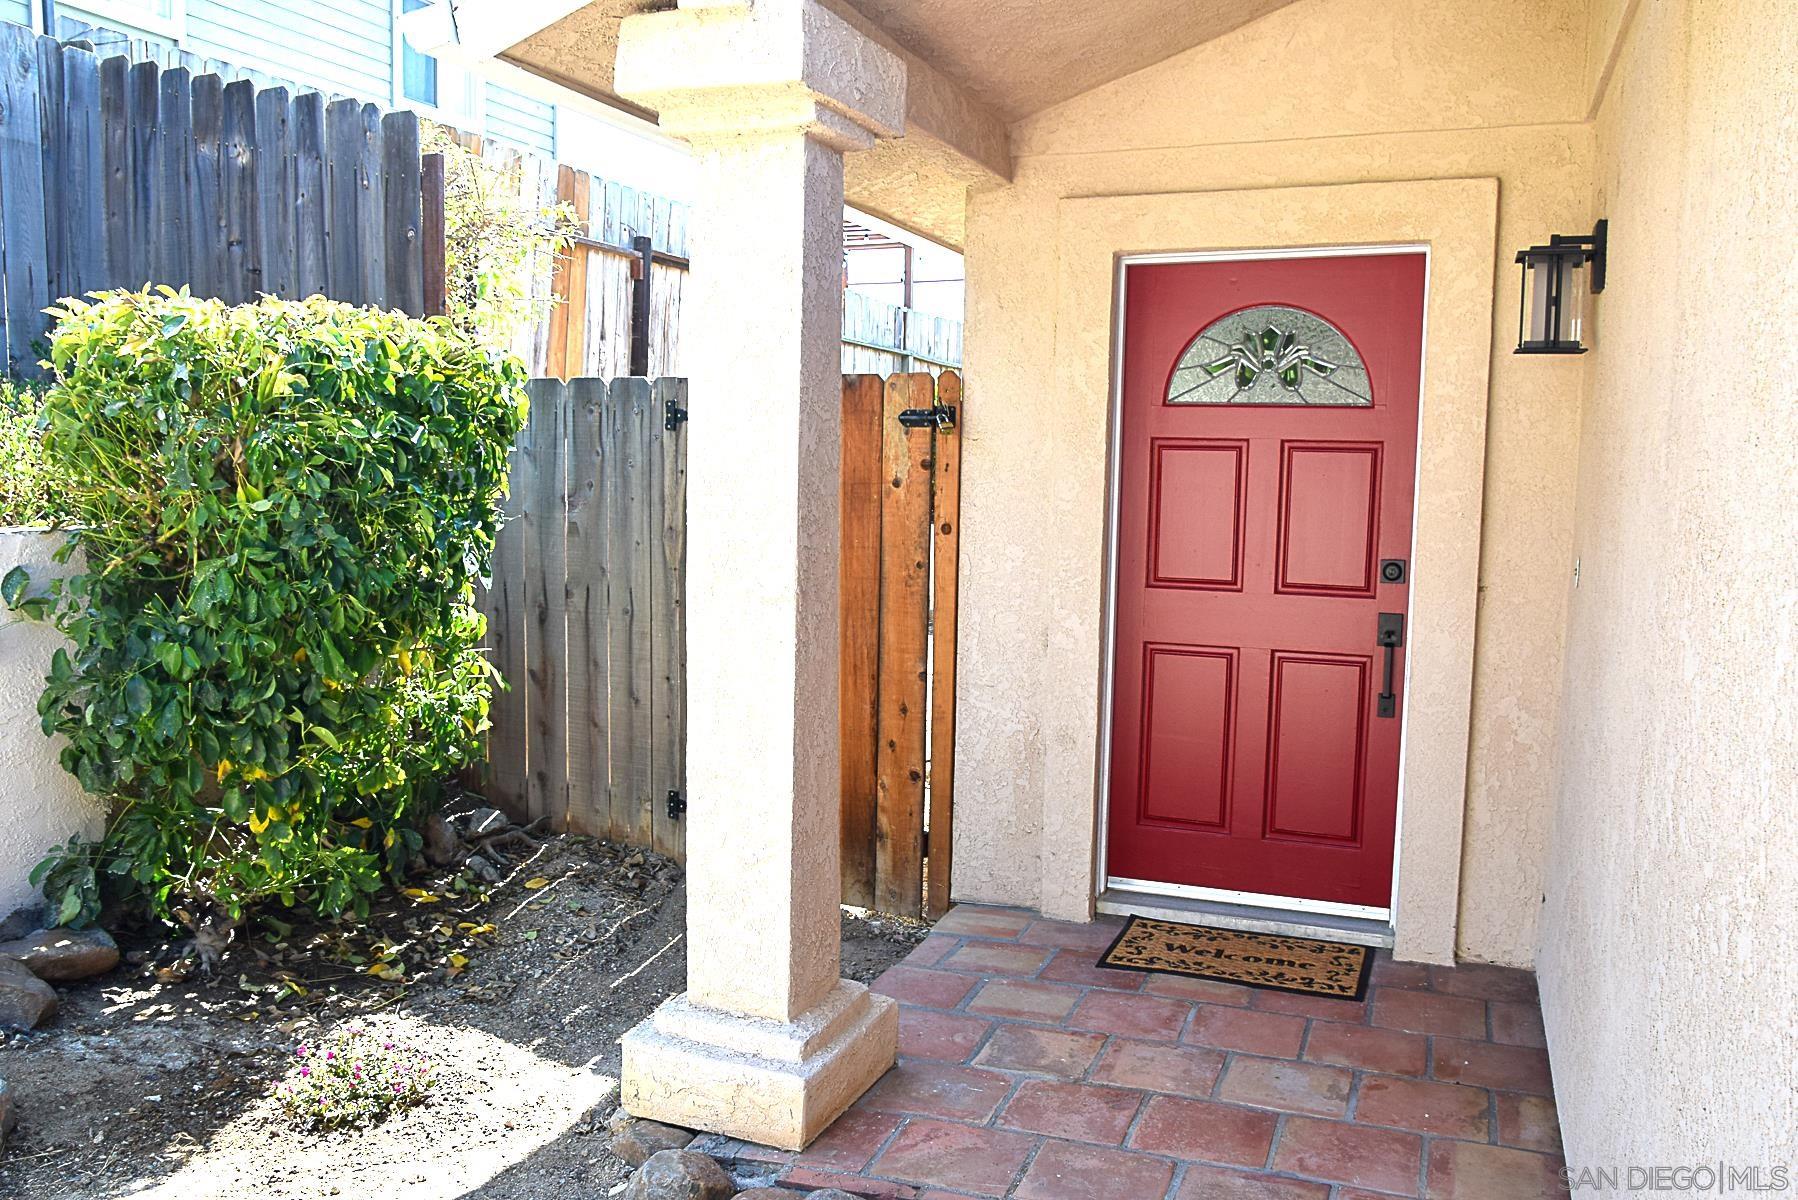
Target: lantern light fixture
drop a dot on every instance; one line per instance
(1551, 300)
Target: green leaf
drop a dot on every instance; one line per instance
(70, 908)
(12, 587)
(137, 696)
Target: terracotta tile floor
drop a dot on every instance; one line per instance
(1025, 1071)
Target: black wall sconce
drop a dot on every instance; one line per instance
(1551, 303)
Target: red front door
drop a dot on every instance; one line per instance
(1269, 445)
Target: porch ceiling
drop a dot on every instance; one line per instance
(1022, 56)
(973, 70)
(1017, 57)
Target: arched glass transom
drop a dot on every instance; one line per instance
(1271, 354)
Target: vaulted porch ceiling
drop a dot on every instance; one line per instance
(1022, 56)
(973, 70)
(1016, 57)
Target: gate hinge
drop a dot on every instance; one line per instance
(942, 417)
(672, 415)
(677, 806)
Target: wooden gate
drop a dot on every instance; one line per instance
(901, 527)
(586, 619)
(586, 614)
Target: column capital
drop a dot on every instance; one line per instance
(716, 70)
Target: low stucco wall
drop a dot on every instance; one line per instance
(1669, 957)
(1380, 92)
(40, 803)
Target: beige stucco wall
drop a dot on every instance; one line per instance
(1379, 91)
(1669, 959)
(40, 803)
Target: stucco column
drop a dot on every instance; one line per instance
(767, 1043)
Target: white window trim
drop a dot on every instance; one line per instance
(132, 14)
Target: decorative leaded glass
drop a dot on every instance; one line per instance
(1270, 354)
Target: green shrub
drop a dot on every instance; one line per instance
(282, 508)
(27, 496)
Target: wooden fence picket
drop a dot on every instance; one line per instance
(589, 713)
(858, 716)
(666, 563)
(945, 581)
(904, 642)
(22, 194)
(631, 728)
(502, 601)
(546, 604)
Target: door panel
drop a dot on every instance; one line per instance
(1268, 450)
(1203, 480)
(1191, 696)
(1329, 518)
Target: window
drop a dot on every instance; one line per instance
(418, 72)
(158, 18)
(1270, 354)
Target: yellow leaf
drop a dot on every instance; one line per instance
(387, 842)
(477, 930)
(258, 826)
(363, 823)
(534, 884)
(387, 971)
(422, 896)
(224, 768)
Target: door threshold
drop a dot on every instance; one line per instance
(1250, 918)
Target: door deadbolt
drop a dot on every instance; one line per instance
(1392, 570)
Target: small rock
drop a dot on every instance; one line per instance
(441, 845)
(25, 1000)
(679, 1175)
(64, 955)
(483, 820)
(636, 1141)
(9, 1116)
(771, 1194)
(21, 922)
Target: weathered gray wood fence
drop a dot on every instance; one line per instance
(885, 339)
(117, 174)
(586, 613)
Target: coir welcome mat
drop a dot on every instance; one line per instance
(1264, 960)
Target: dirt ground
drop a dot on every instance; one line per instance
(152, 1086)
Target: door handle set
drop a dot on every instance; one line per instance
(1390, 638)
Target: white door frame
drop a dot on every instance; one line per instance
(1456, 220)
(1114, 503)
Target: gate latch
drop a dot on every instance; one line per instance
(941, 416)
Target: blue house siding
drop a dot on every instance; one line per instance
(524, 121)
(337, 46)
(18, 12)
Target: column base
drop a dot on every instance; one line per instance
(774, 1083)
